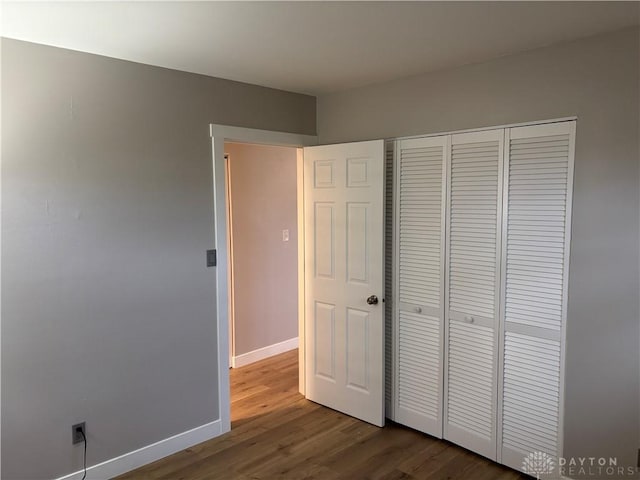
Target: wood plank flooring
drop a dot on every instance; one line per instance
(277, 434)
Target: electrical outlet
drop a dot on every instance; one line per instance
(77, 430)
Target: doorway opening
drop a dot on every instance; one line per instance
(219, 135)
(262, 190)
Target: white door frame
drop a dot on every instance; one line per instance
(219, 134)
(229, 223)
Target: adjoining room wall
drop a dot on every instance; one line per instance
(596, 79)
(265, 268)
(108, 308)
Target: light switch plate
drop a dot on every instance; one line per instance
(285, 235)
(211, 258)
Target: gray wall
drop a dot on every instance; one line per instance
(108, 310)
(265, 269)
(597, 80)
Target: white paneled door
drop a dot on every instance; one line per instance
(344, 278)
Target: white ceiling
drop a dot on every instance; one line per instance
(310, 47)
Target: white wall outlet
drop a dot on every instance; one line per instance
(285, 235)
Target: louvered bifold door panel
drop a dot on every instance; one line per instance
(420, 201)
(389, 360)
(537, 201)
(474, 206)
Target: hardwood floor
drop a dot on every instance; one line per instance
(277, 434)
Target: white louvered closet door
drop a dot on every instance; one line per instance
(474, 209)
(539, 175)
(419, 254)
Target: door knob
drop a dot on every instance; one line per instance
(372, 300)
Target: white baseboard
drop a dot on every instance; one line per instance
(265, 352)
(132, 460)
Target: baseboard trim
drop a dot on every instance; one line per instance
(132, 460)
(265, 352)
